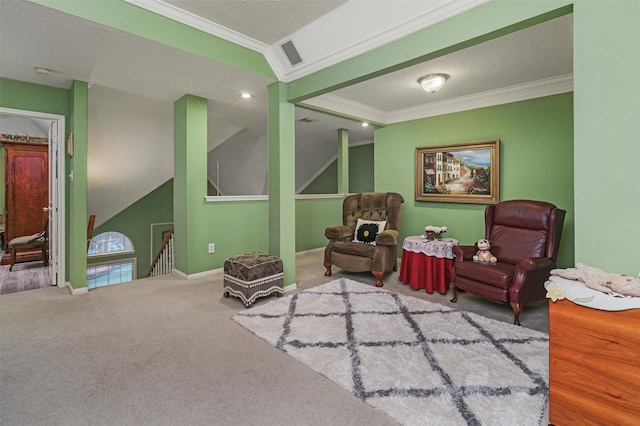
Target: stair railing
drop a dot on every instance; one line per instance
(163, 262)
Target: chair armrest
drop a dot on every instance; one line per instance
(338, 232)
(36, 237)
(528, 280)
(464, 252)
(388, 237)
(535, 263)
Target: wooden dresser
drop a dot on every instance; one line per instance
(594, 365)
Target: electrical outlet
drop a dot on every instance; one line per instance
(212, 247)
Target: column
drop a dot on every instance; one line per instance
(282, 212)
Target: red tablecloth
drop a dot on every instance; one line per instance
(424, 271)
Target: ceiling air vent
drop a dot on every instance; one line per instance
(291, 52)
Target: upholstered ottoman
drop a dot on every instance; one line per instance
(252, 275)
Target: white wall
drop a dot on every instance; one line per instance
(312, 158)
(242, 162)
(130, 149)
(24, 126)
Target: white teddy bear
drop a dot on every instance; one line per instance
(483, 254)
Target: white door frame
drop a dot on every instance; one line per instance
(57, 246)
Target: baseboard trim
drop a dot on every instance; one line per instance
(76, 291)
(221, 270)
(314, 250)
(199, 274)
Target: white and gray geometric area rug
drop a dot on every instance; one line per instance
(419, 362)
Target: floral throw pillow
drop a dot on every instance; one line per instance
(367, 230)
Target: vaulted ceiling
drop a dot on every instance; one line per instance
(532, 62)
(323, 32)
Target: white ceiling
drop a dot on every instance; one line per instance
(33, 36)
(532, 54)
(267, 21)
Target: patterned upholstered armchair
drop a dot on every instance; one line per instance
(367, 240)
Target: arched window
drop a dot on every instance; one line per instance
(109, 243)
(110, 272)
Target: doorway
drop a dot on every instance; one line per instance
(57, 150)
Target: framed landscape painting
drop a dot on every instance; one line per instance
(460, 173)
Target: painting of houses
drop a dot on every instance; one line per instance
(464, 173)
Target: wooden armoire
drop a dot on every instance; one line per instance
(26, 176)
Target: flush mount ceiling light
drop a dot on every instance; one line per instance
(245, 95)
(433, 82)
(43, 71)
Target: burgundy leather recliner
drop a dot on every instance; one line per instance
(525, 237)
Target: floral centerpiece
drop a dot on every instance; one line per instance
(434, 232)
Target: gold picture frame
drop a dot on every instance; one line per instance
(459, 173)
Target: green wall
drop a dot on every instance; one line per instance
(234, 227)
(282, 166)
(361, 173)
(190, 184)
(77, 217)
(606, 69)
(537, 139)
(312, 217)
(135, 20)
(536, 163)
(35, 97)
(326, 182)
(361, 170)
(243, 229)
(606, 199)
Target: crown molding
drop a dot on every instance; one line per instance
(278, 63)
(520, 92)
(401, 29)
(346, 106)
(180, 15)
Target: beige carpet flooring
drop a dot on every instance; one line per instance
(164, 351)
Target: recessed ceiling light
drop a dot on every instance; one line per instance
(365, 124)
(43, 71)
(245, 95)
